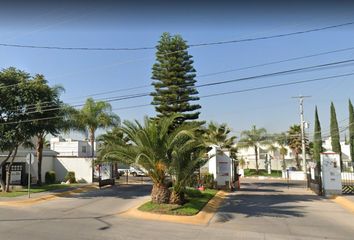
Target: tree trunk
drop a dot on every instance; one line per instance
(8, 171)
(160, 193)
(177, 198)
(256, 154)
(284, 165)
(39, 149)
(92, 141)
(298, 165)
(3, 163)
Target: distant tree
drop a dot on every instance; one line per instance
(295, 143)
(317, 139)
(92, 116)
(219, 135)
(253, 139)
(174, 79)
(335, 137)
(351, 131)
(281, 140)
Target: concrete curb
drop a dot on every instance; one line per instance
(349, 205)
(202, 218)
(48, 197)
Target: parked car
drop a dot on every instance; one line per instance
(136, 172)
(122, 171)
(291, 168)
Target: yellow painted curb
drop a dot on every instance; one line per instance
(32, 201)
(344, 203)
(203, 217)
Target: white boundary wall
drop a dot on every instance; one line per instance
(81, 166)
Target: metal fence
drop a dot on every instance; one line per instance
(314, 180)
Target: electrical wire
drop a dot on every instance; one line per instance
(191, 45)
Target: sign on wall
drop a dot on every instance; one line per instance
(331, 173)
(224, 169)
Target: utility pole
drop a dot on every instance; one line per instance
(302, 125)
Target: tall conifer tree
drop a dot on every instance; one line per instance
(335, 138)
(173, 76)
(351, 130)
(317, 141)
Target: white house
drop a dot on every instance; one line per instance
(63, 156)
(20, 167)
(74, 155)
(275, 158)
(70, 147)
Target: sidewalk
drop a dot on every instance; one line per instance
(44, 196)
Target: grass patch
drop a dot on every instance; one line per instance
(196, 200)
(36, 189)
(262, 172)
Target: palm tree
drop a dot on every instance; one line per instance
(294, 142)
(253, 138)
(153, 146)
(218, 135)
(108, 142)
(189, 155)
(281, 140)
(92, 116)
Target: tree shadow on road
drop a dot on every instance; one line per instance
(121, 191)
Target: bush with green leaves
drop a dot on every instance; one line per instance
(50, 177)
(70, 176)
(208, 180)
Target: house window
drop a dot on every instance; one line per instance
(83, 149)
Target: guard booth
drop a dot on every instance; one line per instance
(331, 173)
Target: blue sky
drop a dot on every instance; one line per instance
(83, 73)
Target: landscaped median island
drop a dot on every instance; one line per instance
(37, 189)
(195, 201)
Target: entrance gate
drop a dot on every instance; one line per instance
(314, 179)
(347, 182)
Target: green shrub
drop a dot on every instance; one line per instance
(70, 176)
(50, 177)
(208, 180)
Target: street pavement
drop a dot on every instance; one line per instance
(261, 210)
(270, 207)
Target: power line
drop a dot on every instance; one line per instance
(138, 95)
(211, 95)
(226, 71)
(277, 73)
(273, 36)
(191, 45)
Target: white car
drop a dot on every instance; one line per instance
(136, 172)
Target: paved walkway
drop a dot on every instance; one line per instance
(270, 207)
(42, 194)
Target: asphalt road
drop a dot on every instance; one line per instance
(262, 210)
